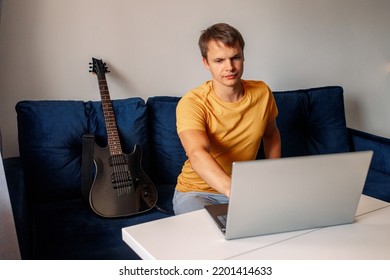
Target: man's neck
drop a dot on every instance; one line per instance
(229, 94)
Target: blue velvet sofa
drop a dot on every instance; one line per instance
(52, 220)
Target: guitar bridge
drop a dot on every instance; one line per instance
(122, 182)
(121, 179)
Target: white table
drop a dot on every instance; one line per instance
(195, 236)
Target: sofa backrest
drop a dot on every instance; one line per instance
(310, 121)
(167, 153)
(50, 141)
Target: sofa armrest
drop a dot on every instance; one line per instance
(18, 197)
(378, 179)
(361, 141)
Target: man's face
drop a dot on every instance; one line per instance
(226, 64)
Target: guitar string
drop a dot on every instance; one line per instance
(121, 176)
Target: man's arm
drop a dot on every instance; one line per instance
(272, 141)
(197, 147)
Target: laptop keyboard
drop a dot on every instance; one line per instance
(222, 219)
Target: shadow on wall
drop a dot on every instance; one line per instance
(353, 111)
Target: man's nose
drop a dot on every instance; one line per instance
(229, 64)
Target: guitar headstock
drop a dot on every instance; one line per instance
(98, 67)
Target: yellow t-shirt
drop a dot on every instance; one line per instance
(234, 129)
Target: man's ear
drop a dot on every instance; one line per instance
(205, 63)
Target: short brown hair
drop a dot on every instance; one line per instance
(220, 32)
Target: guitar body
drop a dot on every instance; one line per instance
(113, 194)
(120, 187)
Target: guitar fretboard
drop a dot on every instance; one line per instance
(109, 117)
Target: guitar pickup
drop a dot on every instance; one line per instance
(122, 179)
(116, 160)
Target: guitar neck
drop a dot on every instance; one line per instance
(109, 117)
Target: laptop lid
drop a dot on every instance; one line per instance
(279, 195)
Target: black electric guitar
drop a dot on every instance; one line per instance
(120, 187)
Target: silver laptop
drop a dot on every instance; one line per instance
(280, 195)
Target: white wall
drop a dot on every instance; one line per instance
(150, 47)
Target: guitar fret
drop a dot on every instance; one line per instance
(109, 117)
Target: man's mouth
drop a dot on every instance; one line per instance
(231, 76)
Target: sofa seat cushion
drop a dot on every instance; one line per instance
(70, 230)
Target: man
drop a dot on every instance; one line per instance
(222, 121)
